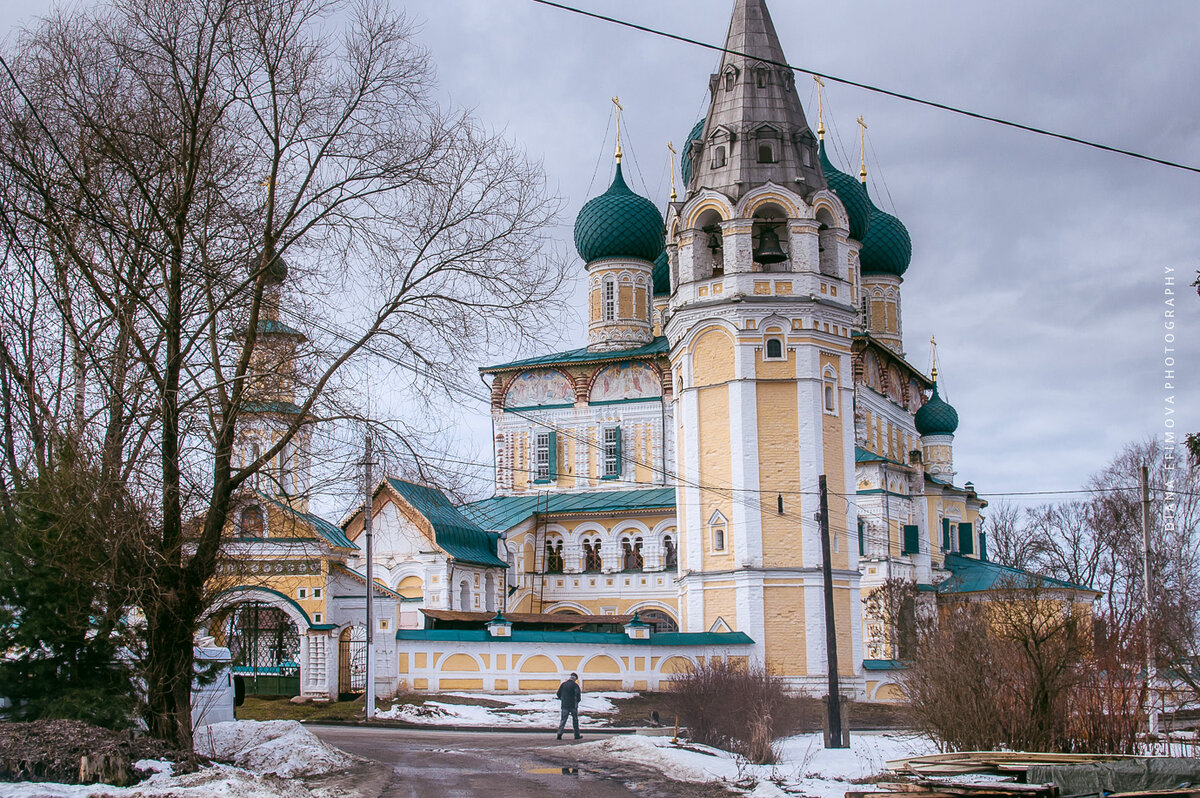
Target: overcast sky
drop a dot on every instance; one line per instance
(1038, 264)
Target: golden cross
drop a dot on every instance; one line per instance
(820, 108)
(671, 148)
(862, 148)
(933, 357)
(617, 102)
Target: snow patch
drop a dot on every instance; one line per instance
(268, 754)
(805, 766)
(527, 709)
(277, 747)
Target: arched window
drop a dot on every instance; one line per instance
(766, 153)
(592, 562)
(464, 596)
(554, 556)
(659, 620)
(716, 531)
(670, 553)
(250, 524)
(775, 349)
(631, 554)
(730, 78)
(610, 299)
(760, 76)
(831, 391)
(718, 159)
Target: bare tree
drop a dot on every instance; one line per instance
(178, 173)
(890, 612)
(1008, 540)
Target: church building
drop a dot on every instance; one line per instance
(656, 498)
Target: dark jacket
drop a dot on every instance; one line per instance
(569, 694)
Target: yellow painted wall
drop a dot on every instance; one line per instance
(715, 469)
(720, 602)
(625, 307)
(783, 618)
(835, 473)
(779, 471)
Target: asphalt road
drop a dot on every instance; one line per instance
(452, 764)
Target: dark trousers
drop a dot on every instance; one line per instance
(573, 712)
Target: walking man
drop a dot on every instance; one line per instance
(569, 696)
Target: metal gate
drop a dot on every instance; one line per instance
(265, 647)
(352, 661)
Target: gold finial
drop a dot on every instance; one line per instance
(933, 357)
(617, 102)
(820, 108)
(862, 149)
(671, 149)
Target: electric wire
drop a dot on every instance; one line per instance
(880, 90)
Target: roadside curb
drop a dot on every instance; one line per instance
(399, 724)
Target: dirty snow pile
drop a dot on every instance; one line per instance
(266, 756)
(805, 766)
(532, 709)
(278, 747)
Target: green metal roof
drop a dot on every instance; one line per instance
(685, 156)
(619, 224)
(331, 532)
(587, 638)
(658, 346)
(851, 193)
(662, 274)
(968, 575)
(273, 327)
(459, 537)
(936, 417)
(504, 512)
(886, 246)
(862, 455)
(883, 665)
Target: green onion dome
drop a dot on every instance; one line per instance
(936, 417)
(619, 224)
(685, 159)
(662, 274)
(851, 193)
(886, 248)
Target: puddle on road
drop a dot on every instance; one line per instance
(555, 771)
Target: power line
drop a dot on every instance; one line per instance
(879, 90)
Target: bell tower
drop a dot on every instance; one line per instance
(759, 323)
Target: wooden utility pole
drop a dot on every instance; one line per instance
(369, 691)
(833, 703)
(1153, 713)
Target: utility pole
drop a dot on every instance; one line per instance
(833, 704)
(369, 694)
(1153, 714)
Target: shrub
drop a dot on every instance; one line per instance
(740, 709)
(1021, 673)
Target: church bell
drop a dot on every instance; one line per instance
(769, 250)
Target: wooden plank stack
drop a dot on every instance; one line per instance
(927, 776)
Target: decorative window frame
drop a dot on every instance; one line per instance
(718, 532)
(830, 389)
(608, 299)
(611, 461)
(775, 336)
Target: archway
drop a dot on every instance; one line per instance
(352, 662)
(264, 645)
